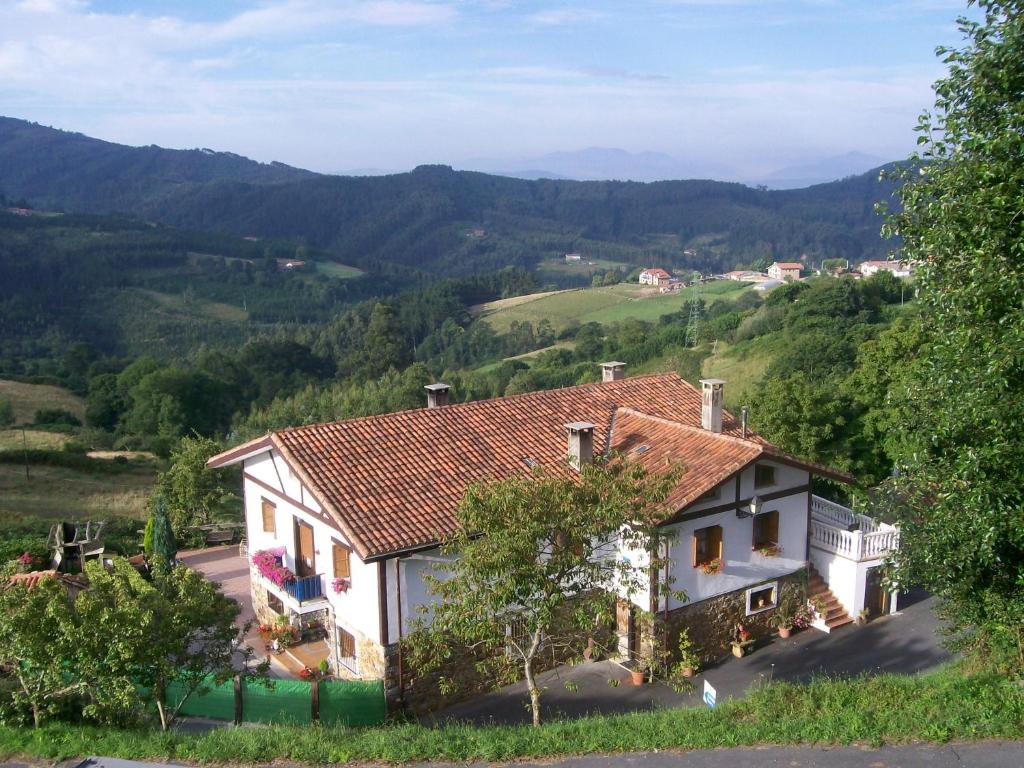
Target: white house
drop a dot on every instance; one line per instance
(356, 510)
(897, 268)
(785, 270)
(655, 276)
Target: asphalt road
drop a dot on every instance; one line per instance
(989, 754)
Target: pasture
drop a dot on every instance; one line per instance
(29, 398)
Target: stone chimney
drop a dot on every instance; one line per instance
(437, 395)
(612, 371)
(581, 443)
(711, 404)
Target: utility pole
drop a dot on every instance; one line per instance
(24, 448)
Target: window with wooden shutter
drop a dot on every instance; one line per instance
(764, 475)
(707, 545)
(342, 569)
(269, 517)
(766, 529)
(347, 649)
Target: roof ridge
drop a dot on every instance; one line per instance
(699, 430)
(484, 401)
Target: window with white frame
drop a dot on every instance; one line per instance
(763, 597)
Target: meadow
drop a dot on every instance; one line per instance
(599, 305)
(29, 398)
(337, 270)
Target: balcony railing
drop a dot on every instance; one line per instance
(305, 589)
(830, 524)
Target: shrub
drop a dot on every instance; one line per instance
(56, 417)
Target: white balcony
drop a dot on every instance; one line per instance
(831, 525)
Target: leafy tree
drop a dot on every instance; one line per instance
(961, 490)
(537, 552)
(6, 412)
(194, 494)
(104, 403)
(34, 626)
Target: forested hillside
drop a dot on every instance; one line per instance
(422, 219)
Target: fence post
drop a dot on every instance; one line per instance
(314, 700)
(238, 699)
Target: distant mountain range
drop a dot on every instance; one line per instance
(419, 219)
(602, 164)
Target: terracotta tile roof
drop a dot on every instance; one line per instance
(657, 272)
(393, 482)
(789, 265)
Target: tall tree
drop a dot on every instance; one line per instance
(961, 498)
(193, 493)
(532, 565)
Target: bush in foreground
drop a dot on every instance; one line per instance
(941, 706)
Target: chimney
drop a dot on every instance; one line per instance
(581, 443)
(437, 395)
(612, 371)
(711, 404)
(744, 414)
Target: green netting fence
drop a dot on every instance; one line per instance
(287, 702)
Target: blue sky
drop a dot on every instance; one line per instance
(754, 85)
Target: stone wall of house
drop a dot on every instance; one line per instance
(259, 601)
(710, 622)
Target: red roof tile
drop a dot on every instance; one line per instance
(393, 482)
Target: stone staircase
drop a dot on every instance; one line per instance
(833, 614)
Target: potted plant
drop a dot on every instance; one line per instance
(711, 566)
(689, 660)
(324, 668)
(862, 617)
(768, 550)
(341, 585)
(788, 616)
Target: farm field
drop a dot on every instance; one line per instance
(29, 398)
(12, 440)
(337, 270)
(63, 493)
(600, 305)
(584, 266)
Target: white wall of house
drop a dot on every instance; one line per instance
(742, 567)
(847, 578)
(357, 609)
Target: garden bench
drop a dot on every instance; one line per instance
(213, 538)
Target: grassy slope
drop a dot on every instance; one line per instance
(12, 440)
(29, 398)
(742, 366)
(337, 270)
(938, 707)
(600, 305)
(177, 305)
(64, 493)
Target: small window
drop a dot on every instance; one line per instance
(274, 603)
(707, 545)
(762, 598)
(269, 517)
(764, 475)
(342, 566)
(347, 649)
(766, 530)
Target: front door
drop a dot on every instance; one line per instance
(305, 555)
(876, 599)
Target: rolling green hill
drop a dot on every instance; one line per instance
(420, 220)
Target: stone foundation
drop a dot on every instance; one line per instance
(710, 622)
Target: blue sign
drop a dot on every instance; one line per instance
(710, 695)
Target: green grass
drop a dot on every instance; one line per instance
(600, 305)
(336, 270)
(742, 365)
(942, 706)
(584, 266)
(59, 492)
(29, 398)
(178, 304)
(11, 440)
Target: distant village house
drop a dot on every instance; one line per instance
(897, 268)
(572, 257)
(655, 276)
(785, 270)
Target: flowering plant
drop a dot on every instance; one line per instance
(268, 563)
(25, 558)
(768, 550)
(308, 674)
(280, 635)
(711, 566)
(341, 585)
